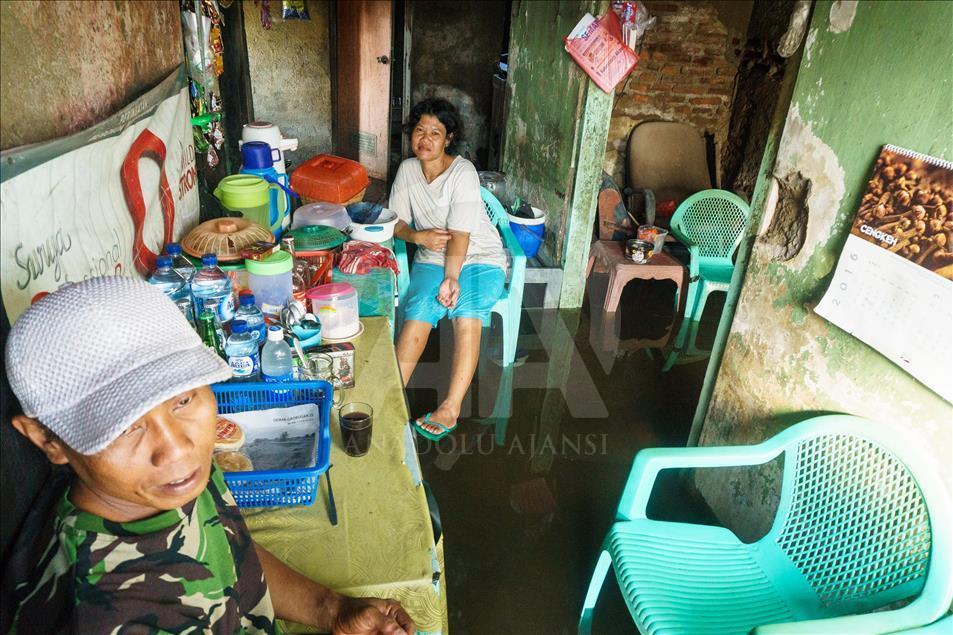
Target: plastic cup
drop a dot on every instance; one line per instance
(356, 420)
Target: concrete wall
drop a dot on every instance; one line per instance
(863, 82)
(290, 72)
(69, 65)
(686, 73)
(454, 49)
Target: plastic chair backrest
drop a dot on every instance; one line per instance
(854, 522)
(494, 209)
(712, 220)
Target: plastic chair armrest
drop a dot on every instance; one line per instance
(517, 255)
(649, 462)
(400, 255)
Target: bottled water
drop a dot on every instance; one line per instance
(180, 263)
(276, 357)
(242, 351)
(173, 286)
(211, 286)
(252, 315)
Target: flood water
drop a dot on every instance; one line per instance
(527, 486)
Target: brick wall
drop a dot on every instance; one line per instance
(686, 72)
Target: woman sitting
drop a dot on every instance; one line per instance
(459, 269)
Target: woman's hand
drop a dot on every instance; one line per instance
(433, 239)
(371, 616)
(449, 292)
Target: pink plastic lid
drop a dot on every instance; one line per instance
(332, 291)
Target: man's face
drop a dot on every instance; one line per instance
(161, 462)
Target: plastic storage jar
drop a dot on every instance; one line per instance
(336, 307)
(270, 281)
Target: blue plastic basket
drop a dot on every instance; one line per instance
(278, 488)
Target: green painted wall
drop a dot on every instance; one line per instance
(881, 77)
(546, 88)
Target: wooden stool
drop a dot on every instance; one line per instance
(605, 256)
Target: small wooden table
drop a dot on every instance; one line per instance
(606, 256)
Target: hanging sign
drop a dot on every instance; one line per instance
(893, 286)
(102, 201)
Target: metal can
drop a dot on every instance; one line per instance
(639, 251)
(288, 244)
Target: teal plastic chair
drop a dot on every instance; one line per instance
(862, 523)
(510, 304)
(710, 223)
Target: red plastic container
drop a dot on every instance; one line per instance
(329, 178)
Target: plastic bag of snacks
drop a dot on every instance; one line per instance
(294, 10)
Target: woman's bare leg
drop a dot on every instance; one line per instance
(466, 354)
(410, 346)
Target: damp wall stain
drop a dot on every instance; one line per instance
(290, 69)
(853, 95)
(69, 65)
(546, 88)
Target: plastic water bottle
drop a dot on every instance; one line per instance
(180, 263)
(242, 351)
(276, 357)
(252, 315)
(173, 286)
(211, 284)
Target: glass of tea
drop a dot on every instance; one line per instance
(356, 420)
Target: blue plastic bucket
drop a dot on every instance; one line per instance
(529, 232)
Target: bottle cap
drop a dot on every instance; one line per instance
(275, 334)
(246, 299)
(239, 326)
(209, 260)
(163, 261)
(173, 249)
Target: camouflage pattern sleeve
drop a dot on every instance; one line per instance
(192, 569)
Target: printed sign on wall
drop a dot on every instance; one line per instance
(102, 201)
(893, 287)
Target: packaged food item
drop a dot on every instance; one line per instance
(230, 461)
(342, 363)
(259, 251)
(228, 435)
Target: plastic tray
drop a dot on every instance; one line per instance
(278, 488)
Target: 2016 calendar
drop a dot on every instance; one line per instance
(893, 286)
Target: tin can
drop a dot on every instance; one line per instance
(639, 251)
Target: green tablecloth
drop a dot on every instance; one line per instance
(383, 544)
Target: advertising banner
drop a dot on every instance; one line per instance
(102, 201)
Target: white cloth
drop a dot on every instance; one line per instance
(451, 202)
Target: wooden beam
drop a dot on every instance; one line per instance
(594, 133)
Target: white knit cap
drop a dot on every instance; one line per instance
(92, 357)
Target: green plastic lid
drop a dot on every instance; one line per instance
(277, 263)
(242, 191)
(317, 238)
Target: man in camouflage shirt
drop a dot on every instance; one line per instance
(146, 537)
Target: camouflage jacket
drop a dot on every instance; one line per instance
(189, 570)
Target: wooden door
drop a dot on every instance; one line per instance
(363, 83)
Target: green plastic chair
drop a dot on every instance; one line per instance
(710, 223)
(509, 306)
(862, 523)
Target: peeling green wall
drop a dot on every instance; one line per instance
(882, 77)
(546, 88)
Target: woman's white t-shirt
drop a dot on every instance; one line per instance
(452, 201)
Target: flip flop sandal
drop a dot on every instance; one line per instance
(430, 435)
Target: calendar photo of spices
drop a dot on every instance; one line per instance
(907, 209)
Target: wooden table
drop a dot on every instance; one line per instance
(383, 545)
(606, 256)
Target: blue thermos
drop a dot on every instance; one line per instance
(259, 158)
